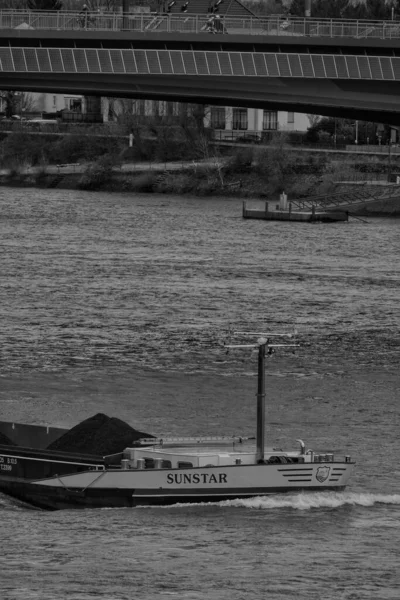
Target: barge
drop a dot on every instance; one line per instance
(165, 471)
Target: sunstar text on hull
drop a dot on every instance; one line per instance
(196, 478)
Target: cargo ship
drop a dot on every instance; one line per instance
(163, 470)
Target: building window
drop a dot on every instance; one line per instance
(239, 118)
(54, 100)
(217, 117)
(270, 119)
(290, 117)
(74, 104)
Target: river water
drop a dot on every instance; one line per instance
(122, 304)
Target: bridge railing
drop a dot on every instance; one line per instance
(154, 22)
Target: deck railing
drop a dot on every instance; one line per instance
(184, 23)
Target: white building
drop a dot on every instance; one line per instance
(230, 123)
(226, 121)
(38, 103)
(55, 102)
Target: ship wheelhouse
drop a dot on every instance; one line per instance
(189, 453)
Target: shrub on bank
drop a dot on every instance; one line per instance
(72, 149)
(145, 182)
(131, 154)
(176, 183)
(240, 162)
(22, 149)
(98, 173)
(40, 175)
(14, 174)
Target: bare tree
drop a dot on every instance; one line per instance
(104, 5)
(27, 102)
(313, 119)
(17, 102)
(8, 102)
(13, 4)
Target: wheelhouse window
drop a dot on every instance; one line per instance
(239, 119)
(270, 120)
(185, 465)
(218, 117)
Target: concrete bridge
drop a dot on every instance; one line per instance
(323, 66)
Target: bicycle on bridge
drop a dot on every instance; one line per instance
(84, 20)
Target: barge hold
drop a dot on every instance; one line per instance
(311, 216)
(77, 469)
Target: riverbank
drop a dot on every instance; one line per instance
(237, 178)
(195, 177)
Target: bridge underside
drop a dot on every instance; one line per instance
(377, 101)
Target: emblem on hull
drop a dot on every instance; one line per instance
(322, 474)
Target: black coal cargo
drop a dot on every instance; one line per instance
(99, 435)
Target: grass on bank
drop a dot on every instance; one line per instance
(252, 171)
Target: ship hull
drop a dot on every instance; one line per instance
(156, 487)
(61, 499)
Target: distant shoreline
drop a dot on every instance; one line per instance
(126, 180)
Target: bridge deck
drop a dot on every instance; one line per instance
(341, 68)
(193, 24)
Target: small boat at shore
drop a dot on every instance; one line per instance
(294, 216)
(165, 471)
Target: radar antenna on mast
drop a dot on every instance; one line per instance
(264, 346)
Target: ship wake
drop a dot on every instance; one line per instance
(308, 501)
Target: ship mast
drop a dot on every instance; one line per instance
(261, 403)
(263, 346)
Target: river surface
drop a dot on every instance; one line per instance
(122, 304)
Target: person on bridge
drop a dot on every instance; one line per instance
(218, 25)
(84, 16)
(184, 7)
(210, 24)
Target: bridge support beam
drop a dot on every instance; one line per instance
(369, 100)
